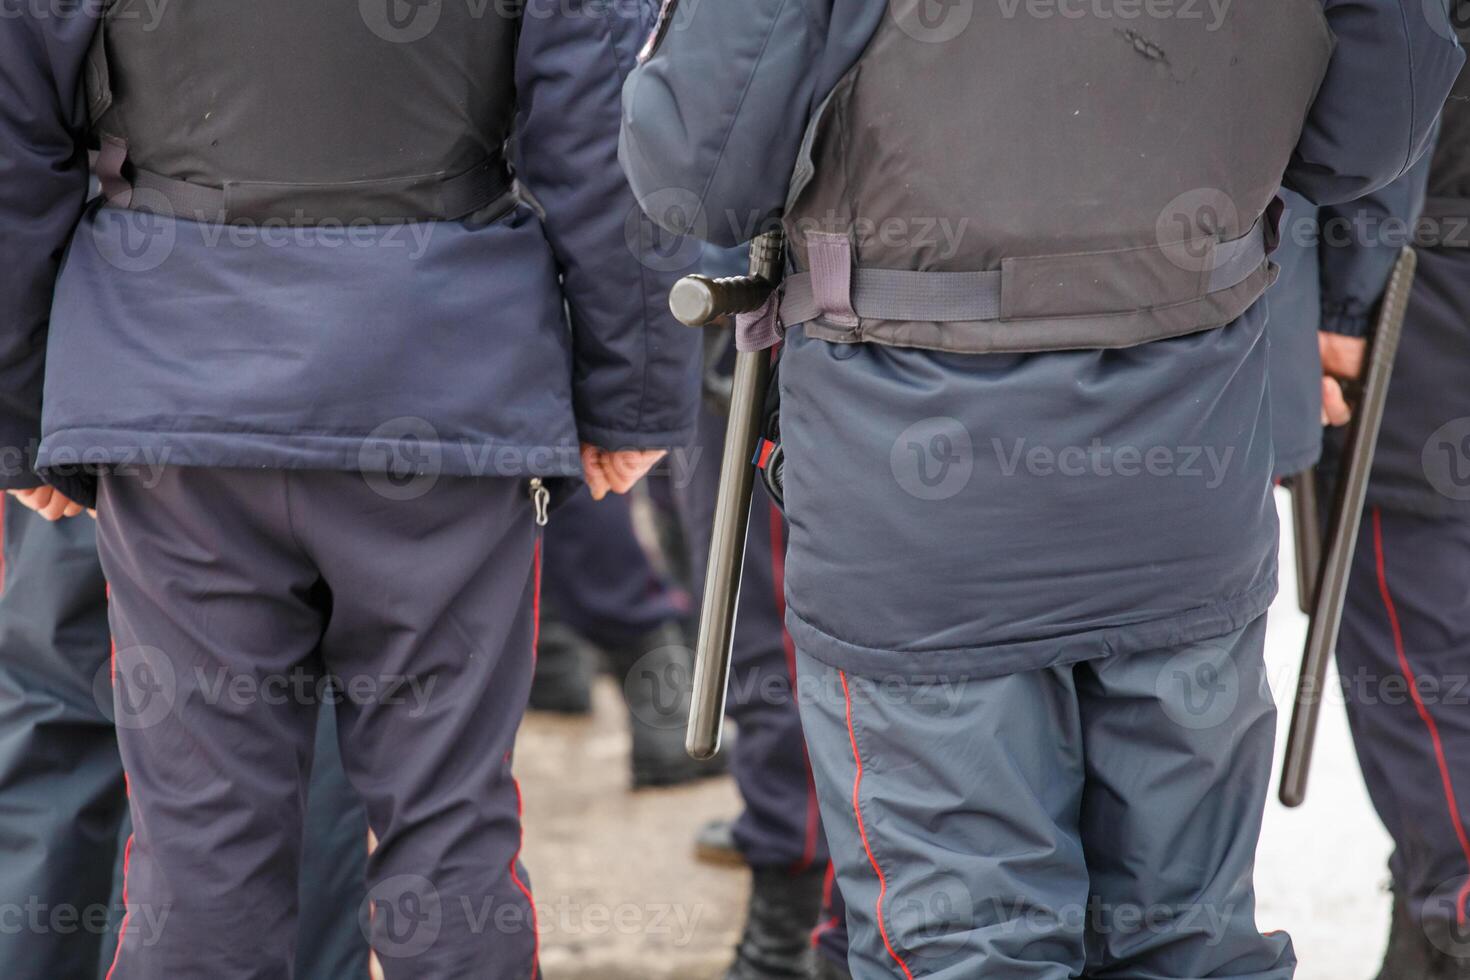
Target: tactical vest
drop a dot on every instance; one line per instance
(306, 112)
(991, 178)
(1447, 204)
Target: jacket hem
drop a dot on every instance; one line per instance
(997, 660)
(69, 450)
(1296, 461)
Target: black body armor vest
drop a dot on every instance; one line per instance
(995, 180)
(305, 111)
(1447, 204)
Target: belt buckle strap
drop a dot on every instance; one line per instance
(830, 257)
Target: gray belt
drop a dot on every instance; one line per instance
(946, 297)
(430, 197)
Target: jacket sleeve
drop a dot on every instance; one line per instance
(43, 185)
(1393, 66)
(715, 118)
(636, 380)
(1360, 244)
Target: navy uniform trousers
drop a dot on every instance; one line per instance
(63, 808)
(780, 825)
(244, 599)
(1041, 837)
(1404, 660)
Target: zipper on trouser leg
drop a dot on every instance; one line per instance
(540, 500)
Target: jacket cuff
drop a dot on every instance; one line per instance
(22, 480)
(79, 485)
(18, 457)
(1350, 318)
(615, 438)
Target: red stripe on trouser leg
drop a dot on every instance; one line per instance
(857, 783)
(831, 921)
(515, 874)
(1408, 671)
(122, 929)
(515, 877)
(778, 577)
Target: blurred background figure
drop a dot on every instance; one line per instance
(1404, 651)
(1403, 656)
(603, 596)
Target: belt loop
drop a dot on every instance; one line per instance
(760, 329)
(831, 266)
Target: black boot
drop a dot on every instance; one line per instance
(656, 672)
(1449, 951)
(715, 844)
(1407, 957)
(562, 681)
(1424, 951)
(777, 942)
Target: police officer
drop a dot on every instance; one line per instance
(314, 349)
(1401, 655)
(1023, 404)
(62, 780)
(1335, 265)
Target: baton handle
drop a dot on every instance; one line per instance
(1347, 514)
(737, 483)
(698, 301)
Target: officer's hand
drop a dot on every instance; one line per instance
(49, 502)
(1342, 360)
(616, 469)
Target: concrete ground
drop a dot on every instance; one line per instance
(621, 897)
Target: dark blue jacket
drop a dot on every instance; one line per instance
(1335, 263)
(1015, 511)
(719, 112)
(473, 350)
(1422, 463)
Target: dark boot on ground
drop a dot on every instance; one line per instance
(656, 672)
(715, 844)
(1414, 954)
(777, 942)
(1449, 952)
(562, 682)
